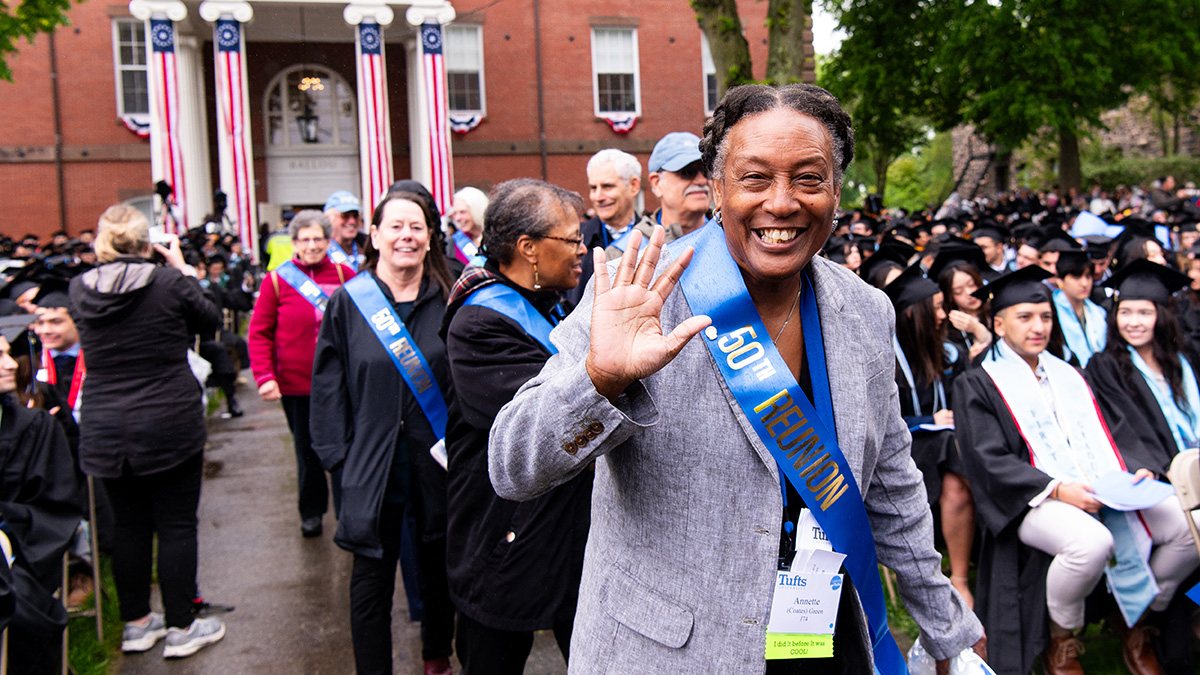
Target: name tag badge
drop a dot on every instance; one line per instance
(42, 375)
(804, 612)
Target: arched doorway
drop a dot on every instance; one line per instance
(305, 165)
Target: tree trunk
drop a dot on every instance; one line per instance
(731, 55)
(879, 164)
(1001, 159)
(1070, 175)
(1176, 132)
(786, 53)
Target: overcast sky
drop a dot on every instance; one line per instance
(825, 37)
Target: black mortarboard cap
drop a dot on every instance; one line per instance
(1024, 231)
(904, 249)
(1014, 288)
(53, 293)
(1098, 247)
(1056, 239)
(13, 327)
(1144, 280)
(910, 288)
(957, 250)
(992, 230)
(835, 249)
(884, 256)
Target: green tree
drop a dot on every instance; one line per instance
(29, 18)
(786, 55)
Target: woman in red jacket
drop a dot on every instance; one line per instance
(283, 337)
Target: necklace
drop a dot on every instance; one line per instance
(789, 316)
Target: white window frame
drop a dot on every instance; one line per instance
(119, 67)
(482, 80)
(637, 75)
(705, 64)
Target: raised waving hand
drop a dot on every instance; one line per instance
(627, 336)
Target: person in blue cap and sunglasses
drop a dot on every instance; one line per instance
(348, 243)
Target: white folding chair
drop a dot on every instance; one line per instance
(1184, 475)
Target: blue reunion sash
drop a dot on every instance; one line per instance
(302, 284)
(339, 255)
(401, 347)
(465, 250)
(506, 300)
(801, 440)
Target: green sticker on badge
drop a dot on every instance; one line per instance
(798, 646)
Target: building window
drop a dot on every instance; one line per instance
(710, 76)
(615, 63)
(464, 69)
(316, 93)
(129, 59)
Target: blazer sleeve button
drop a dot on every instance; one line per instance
(570, 448)
(596, 427)
(581, 440)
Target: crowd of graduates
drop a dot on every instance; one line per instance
(1040, 341)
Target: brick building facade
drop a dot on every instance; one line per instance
(67, 152)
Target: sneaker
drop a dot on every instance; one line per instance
(202, 632)
(137, 638)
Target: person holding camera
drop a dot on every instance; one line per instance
(142, 430)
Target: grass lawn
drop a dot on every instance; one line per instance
(88, 656)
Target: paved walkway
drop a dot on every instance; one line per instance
(291, 594)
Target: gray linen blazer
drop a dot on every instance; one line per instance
(682, 553)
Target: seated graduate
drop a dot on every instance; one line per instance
(1084, 323)
(1145, 384)
(1033, 441)
(958, 270)
(926, 367)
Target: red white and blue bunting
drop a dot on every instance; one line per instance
(434, 78)
(233, 132)
(374, 124)
(622, 124)
(461, 124)
(164, 107)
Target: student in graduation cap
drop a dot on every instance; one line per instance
(926, 366)
(956, 271)
(1034, 442)
(886, 264)
(1144, 378)
(381, 380)
(1084, 323)
(992, 238)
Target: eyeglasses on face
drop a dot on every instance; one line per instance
(311, 241)
(577, 242)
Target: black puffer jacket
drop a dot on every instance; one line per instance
(513, 565)
(141, 408)
(360, 405)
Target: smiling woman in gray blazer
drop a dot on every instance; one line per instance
(689, 523)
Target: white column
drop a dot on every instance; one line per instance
(193, 129)
(422, 155)
(418, 115)
(374, 113)
(166, 161)
(234, 150)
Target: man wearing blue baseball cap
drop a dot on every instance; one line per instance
(677, 179)
(348, 243)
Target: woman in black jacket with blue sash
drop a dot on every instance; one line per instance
(382, 409)
(514, 567)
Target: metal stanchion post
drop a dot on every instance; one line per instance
(96, 592)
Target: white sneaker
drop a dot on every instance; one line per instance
(201, 633)
(137, 638)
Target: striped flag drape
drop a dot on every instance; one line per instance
(434, 76)
(164, 97)
(233, 122)
(374, 124)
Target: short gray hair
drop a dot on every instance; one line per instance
(308, 218)
(627, 166)
(523, 206)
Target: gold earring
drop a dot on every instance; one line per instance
(537, 286)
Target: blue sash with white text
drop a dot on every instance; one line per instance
(465, 250)
(507, 301)
(302, 284)
(401, 347)
(339, 255)
(801, 439)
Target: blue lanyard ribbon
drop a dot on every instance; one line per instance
(401, 347)
(800, 438)
(305, 286)
(336, 251)
(506, 300)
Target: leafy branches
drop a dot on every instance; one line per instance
(28, 19)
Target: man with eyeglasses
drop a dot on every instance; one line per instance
(677, 179)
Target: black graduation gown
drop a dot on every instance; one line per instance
(935, 452)
(40, 488)
(1010, 589)
(1187, 308)
(1138, 425)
